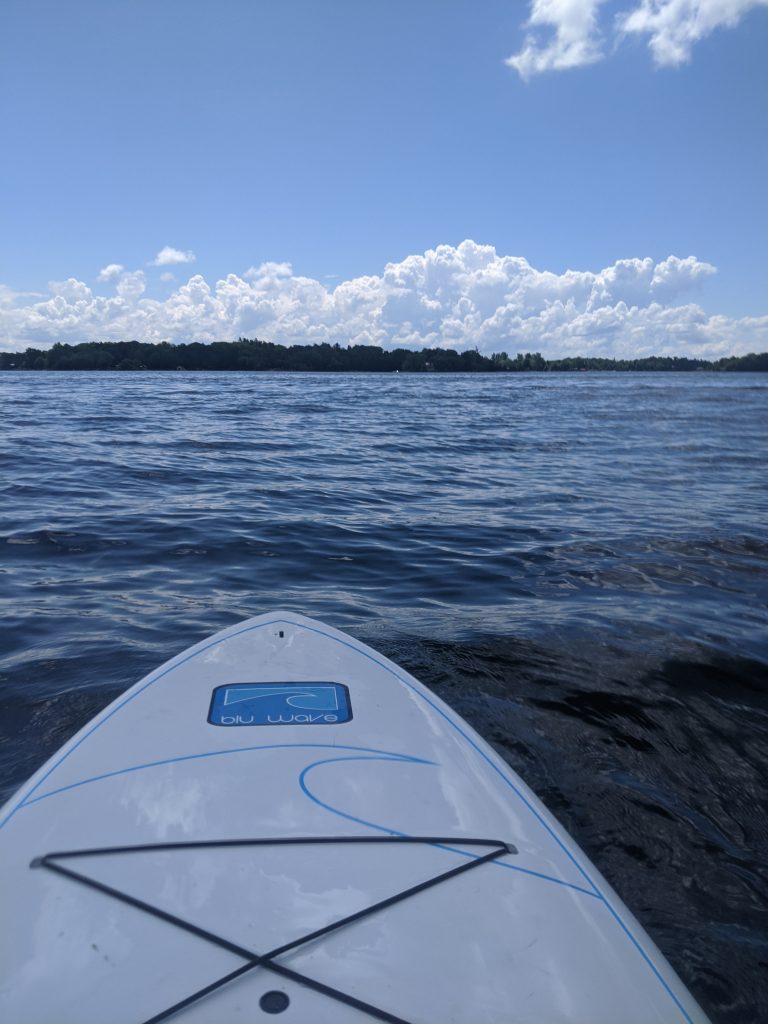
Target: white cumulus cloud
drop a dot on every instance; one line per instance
(169, 257)
(459, 297)
(70, 290)
(673, 26)
(111, 271)
(562, 34)
(574, 39)
(7, 295)
(131, 286)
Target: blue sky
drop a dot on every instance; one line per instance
(339, 137)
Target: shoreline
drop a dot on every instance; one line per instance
(255, 356)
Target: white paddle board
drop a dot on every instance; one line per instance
(280, 821)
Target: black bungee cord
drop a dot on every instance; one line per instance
(51, 861)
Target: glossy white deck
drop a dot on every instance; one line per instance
(531, 938)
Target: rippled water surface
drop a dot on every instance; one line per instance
(577, 563)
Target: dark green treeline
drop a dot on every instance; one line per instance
(245, 354)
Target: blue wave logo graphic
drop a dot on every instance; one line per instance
(280, 704)
(315, 698)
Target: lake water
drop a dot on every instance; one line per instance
(577, 563)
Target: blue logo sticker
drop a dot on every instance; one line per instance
(280, 704)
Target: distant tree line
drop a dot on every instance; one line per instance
(246, 354)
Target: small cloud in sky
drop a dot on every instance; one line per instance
(132, 286)
(7, 295)
(575, 41)
(169, 257)
(71, 290)
(270, 270)
(456, 297)
(673, 26)
(111, 271)
(564, 34)
(167, 276)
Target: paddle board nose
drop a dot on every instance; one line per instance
(281, 820)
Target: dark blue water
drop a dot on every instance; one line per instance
(577, 563)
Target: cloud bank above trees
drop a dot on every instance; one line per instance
(563, 34)
(459, 297)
